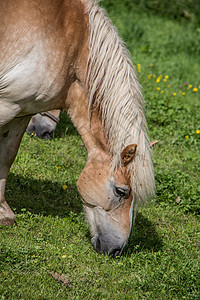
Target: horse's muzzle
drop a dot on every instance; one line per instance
(106, 247)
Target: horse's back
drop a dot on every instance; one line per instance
(40, 42)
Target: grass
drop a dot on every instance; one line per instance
(49, 254)
(46, 257)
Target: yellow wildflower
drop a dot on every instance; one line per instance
(190, 86)
(158, 89)
(139, 68)
(166, 77)
(174, 94)
(186, 136)
(199, 86)
(158, 79)
(64, 256)
(161, 92)
(64, 187)
(183, 93)
(58, 167)
(195, 90)
(197, 131)
(165, 80)
(149, 76)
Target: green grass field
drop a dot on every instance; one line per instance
(49, 254)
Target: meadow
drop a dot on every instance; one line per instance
(48, 255)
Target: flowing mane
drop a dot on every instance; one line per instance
(114, 88)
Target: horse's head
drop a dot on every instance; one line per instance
(108, 200)
(44, 124)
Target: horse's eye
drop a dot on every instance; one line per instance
(121, 192)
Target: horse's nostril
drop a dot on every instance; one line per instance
(106, 247)
(98, 245)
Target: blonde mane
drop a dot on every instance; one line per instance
(114, 88)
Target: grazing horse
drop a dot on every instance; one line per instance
(67, 55)
(44, 124)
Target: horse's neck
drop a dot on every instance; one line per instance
(91, 130)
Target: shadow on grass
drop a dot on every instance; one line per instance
(42, 197)
(143, 237)
(65, 127)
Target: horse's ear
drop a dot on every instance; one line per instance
(128, 154)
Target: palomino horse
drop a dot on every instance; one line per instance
(67, 55)
(44, 124)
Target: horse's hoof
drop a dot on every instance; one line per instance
(7, 216)
(8, 222)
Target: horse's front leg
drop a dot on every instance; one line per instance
(10, 138)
